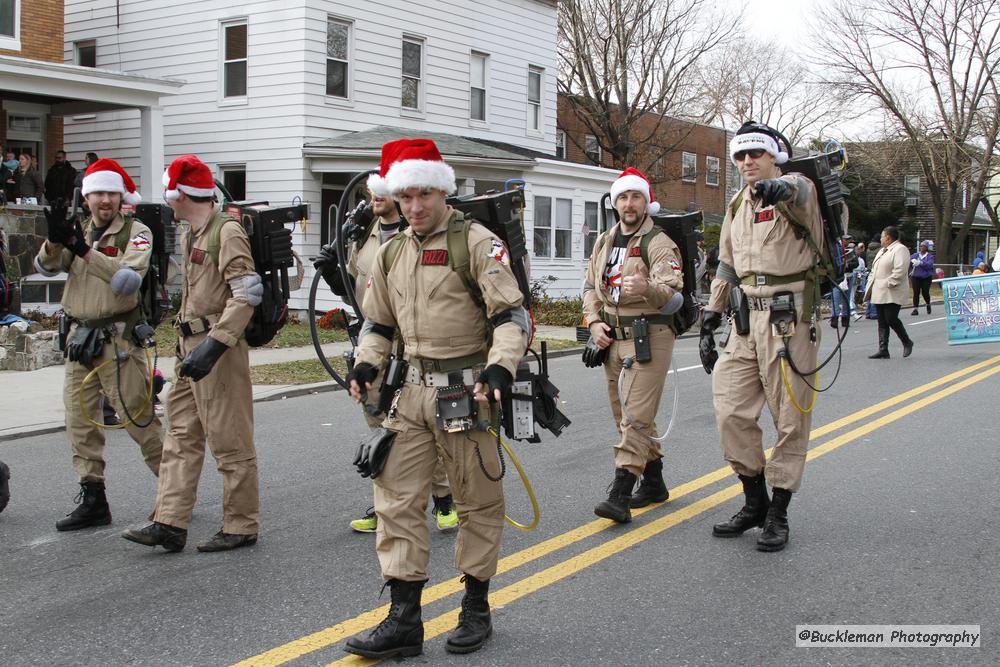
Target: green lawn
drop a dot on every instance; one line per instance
(293, 334)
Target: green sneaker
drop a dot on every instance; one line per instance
(366, 524)
(444, 512)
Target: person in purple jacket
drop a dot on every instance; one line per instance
(921, 274)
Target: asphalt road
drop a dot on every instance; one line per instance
(896, 523)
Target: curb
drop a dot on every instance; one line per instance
(276, 395)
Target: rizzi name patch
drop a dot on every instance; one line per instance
(767, 215)
(435, 257)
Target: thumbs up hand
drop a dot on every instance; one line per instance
(636, 284)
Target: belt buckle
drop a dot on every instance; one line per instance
(760, 280)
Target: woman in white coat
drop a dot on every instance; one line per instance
(888, 291)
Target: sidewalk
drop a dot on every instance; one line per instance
(31, 401)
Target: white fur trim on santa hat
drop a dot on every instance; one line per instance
(640, 185)
(751, 140)
(186, 189)
(108, 181)
(378, 186)
(433, 174)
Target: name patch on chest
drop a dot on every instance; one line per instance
(437, 257)
(767, 215)
(635, 252)
(198, 256)
(109, 251)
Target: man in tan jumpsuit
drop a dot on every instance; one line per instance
(620, 288)
(359, 267)
(106, 260)
(762, 253)
(445, 333)
(212, 397)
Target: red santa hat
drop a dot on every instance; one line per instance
(415, 163)
(106, 175)
(633, 179)
(189, 175)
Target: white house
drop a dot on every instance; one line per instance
(289, 100)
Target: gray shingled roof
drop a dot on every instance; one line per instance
(448, 144)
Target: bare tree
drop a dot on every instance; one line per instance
(932, 67)
(768, 84)
(626, 65)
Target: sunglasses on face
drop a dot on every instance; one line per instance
(753, 152)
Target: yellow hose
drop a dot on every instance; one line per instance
(125, 420)
(791, 394)
(527, 487)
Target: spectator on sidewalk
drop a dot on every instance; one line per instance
(90, 159)
(29, 181)
(8, 169)
(60, 179)
(922, 273)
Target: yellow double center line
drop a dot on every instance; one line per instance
(444, 622)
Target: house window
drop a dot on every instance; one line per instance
(412, 69)
(234, 66)
(564, 228)
(86, 53)
(338, 46)
(535, 99)
(593, 225)
(592, 149)
(911, 190)
(234, 177)
(560, 145)
(711, 170)
(9, 18)
(543, 226)
(659, 172)
(477, 87)
(689, 167)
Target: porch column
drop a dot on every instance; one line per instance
(151, 164)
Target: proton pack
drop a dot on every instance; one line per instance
(153, 297)
(271, 248)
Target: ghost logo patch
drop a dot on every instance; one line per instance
(675, 266)
(435, 257)
(498, 252)
(141, 242)
(767, 215)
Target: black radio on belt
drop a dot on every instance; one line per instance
(640, 335)
(392, 380)
(741, 311)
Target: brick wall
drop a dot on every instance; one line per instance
(664, 173)
(41, 31)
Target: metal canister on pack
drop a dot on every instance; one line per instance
(741, 311)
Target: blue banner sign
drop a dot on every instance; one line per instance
(972, 307)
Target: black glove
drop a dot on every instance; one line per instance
(497, 377)
(328, 266)
(594, 356)
(76, 240)
(200, 361)
(772, 190)
(710, 321)
(362, 373)
(58, 226)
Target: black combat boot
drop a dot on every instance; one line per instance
(402, 631)
(652, 488)
(92, 508)
(619, 497)
(774, 537)
(170, 538)
(474, 623)
(753, 512)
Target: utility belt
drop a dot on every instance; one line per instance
(86, 343)
(128, 318)
(809, 296)
(764, 302)
(623, 325)
(465, 376)
(195, 326)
